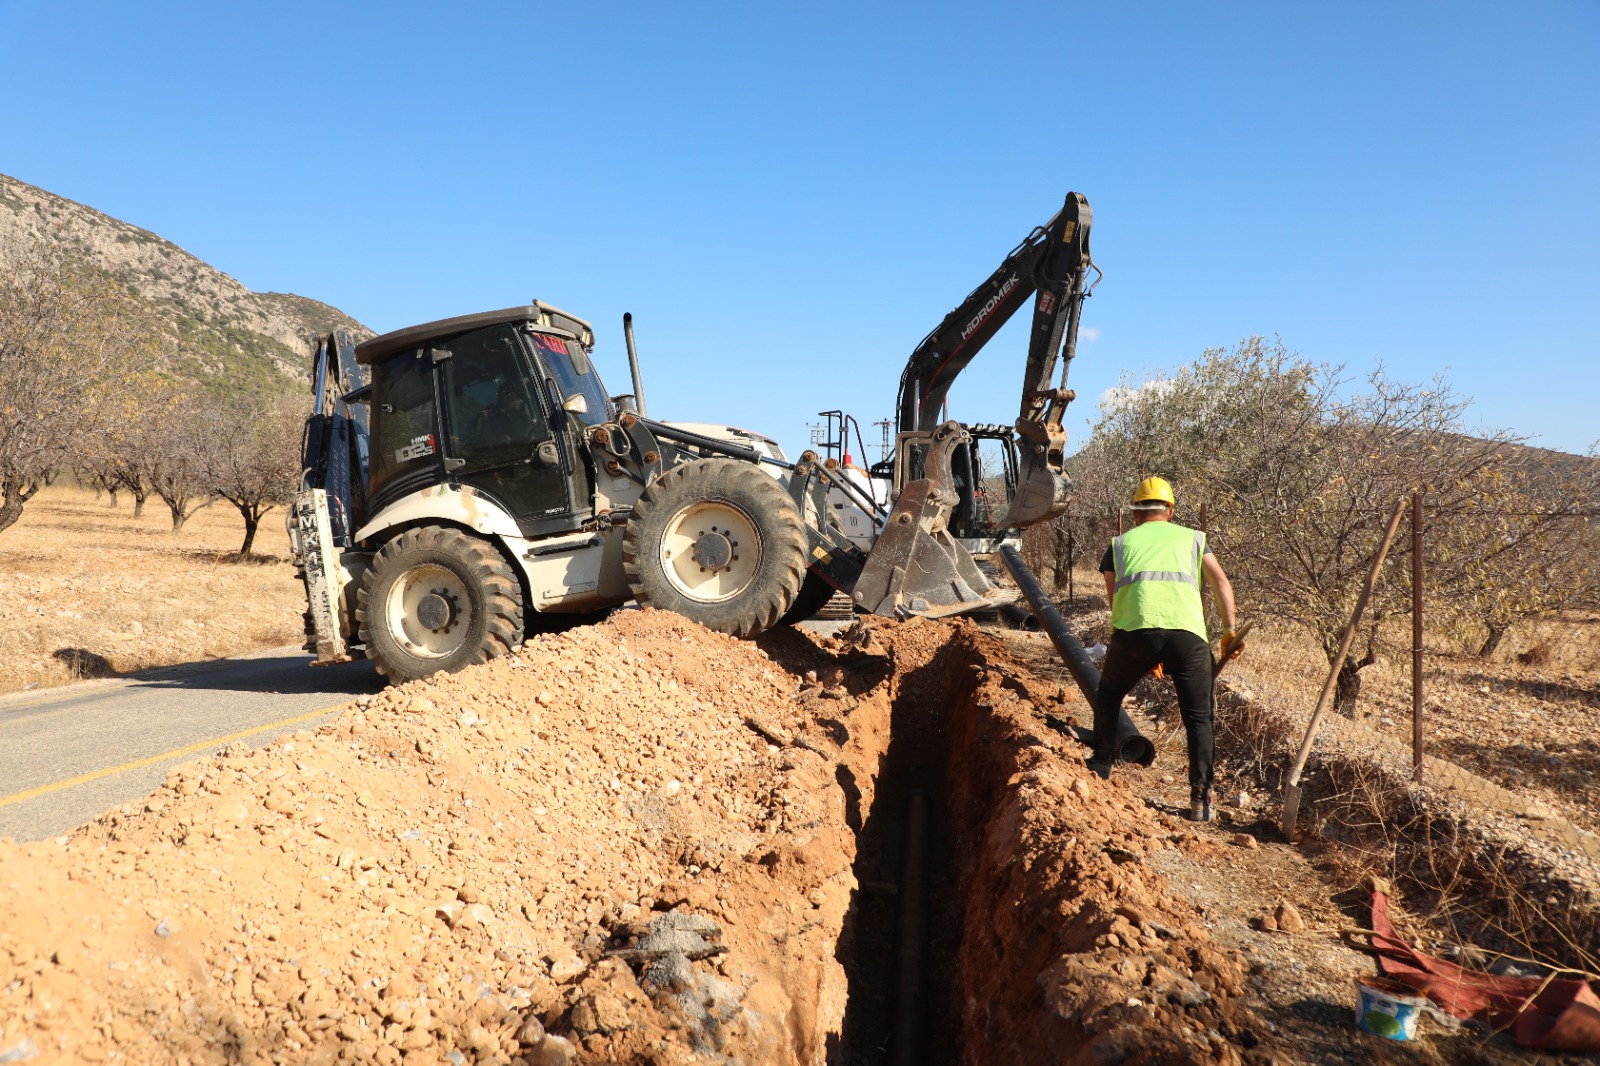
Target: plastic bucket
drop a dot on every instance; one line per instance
(1388, 1008)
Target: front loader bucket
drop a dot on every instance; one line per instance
(917, 568)
(1042, 493)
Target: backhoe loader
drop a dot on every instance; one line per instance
(468, 482)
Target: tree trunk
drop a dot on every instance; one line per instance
(179, 517)
(10, 509)
(138, 503)
(14, 494)
(252, 522)
(1347, 689)
(1496, 635)
(112, 494)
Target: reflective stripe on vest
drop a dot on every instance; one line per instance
(1124, 579)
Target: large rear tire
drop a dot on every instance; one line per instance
(435, 600)
(717, 541)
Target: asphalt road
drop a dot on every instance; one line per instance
(69, 753)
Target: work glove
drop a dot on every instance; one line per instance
(1231, 645)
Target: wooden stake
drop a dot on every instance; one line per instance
(1291, 787)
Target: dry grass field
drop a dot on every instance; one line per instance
(1527, 718)
(87, 590)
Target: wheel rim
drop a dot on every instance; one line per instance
(429, 612)
(711, 551)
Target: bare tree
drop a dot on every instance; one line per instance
(253, 457)
(132, 444)
(176, 436)
(1531, 548)
(66, 338)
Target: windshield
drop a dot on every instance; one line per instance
(581, 392)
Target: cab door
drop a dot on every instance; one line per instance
(498, 437)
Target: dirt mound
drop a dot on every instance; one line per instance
(1058, 885)
(635, 842)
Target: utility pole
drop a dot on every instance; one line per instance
(886, 448)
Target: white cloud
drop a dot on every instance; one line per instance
(1088, 334)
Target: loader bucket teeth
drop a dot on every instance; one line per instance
(917, 568)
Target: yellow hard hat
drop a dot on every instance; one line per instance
(1153, 490)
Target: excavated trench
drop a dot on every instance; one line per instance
(636, 842)
(1033, 931)
(900, 938)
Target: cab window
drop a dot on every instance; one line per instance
(581, 393)
(494, 418)
(403, 438)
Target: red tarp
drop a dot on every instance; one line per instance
(1555, 1014)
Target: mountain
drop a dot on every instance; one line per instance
(229, 338)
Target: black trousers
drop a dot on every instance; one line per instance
(1186, 659)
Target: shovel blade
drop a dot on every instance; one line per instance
(1291, 809)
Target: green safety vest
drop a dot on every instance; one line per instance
(1158, 578)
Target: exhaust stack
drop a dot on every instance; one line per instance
(633, 363)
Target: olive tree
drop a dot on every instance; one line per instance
(1299, 471)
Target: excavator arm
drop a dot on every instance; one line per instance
(1051, 265)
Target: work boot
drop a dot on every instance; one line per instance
(1200, 806)
(1101, 766)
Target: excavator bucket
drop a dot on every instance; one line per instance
(916, 567)
(1043, 491)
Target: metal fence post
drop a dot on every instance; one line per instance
(1416, 636)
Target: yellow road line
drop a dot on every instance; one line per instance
(81, 779)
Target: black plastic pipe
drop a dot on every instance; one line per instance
(1020, 617)
(1131, 744)
(905, 1036)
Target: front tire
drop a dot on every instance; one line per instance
(719, 542)
(435, 600)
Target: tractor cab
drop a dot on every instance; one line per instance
(498, 402)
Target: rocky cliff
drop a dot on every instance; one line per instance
(227, 336)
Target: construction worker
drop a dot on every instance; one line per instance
(1153, 576)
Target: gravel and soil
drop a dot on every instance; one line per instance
(632, 843)
(642, 842)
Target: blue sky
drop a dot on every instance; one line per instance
(789, 197)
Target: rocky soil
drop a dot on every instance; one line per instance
(636, 842)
